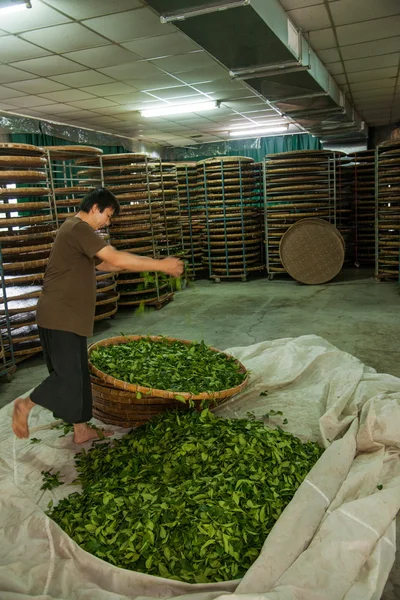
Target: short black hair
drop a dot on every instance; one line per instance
(103, 198)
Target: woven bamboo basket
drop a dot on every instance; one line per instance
(115, 401)
(149, 392)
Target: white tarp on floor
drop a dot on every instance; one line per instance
(335, 540)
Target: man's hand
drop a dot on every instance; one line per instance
(172, 266)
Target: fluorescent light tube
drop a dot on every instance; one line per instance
(258, 131)
(271, 123)
(179, 109)
(14, 7)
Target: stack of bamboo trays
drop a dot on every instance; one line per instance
(146, 200)
(172, 242)
(27, 229)
(192, 216)
(388, 211)
(363, 193)
(230, 191)
(343, 205)
(74, 172)
(305, 184)
(7, 362)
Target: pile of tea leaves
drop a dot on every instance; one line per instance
(168, 365)
(188, 496)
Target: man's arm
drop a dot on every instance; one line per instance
(118, 260)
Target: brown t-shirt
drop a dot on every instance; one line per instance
(68, 299)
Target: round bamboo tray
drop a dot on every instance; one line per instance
(68, 202)
(312, 252)
(11, 176)
(235, 272)
(28, 162)
(19, 292)
(76, 189)
(68, 152)
(17, 307)
(104, 297)
(102, 276)
(105, 311)
(25, 349)
(126, 279)
(125, 169)
(116, 399)
(110, 159)
(21, 149)
(141, 177)
(133, 218)
(216, 244)
(147, 301)
(297, 153)
(24, 265)
(24, 192)
(24, 220)
(134, 250)
(26, 333)
(145, 291)
(105, 285)
(24, 206)
(230, 170)
(305, 187)
(225, 160)
(24, 279)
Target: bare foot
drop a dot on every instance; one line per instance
(22, 408)
(84, 433)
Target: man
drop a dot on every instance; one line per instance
(66, 308)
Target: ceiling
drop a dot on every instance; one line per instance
(359, 42)
(95, 63)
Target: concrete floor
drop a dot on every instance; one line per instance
(355, 313)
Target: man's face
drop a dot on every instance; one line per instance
(103, 219)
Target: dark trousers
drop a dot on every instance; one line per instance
(67, 390)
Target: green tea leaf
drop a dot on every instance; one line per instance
(188, 496)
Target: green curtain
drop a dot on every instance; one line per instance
(255, 148)
(41, 139)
